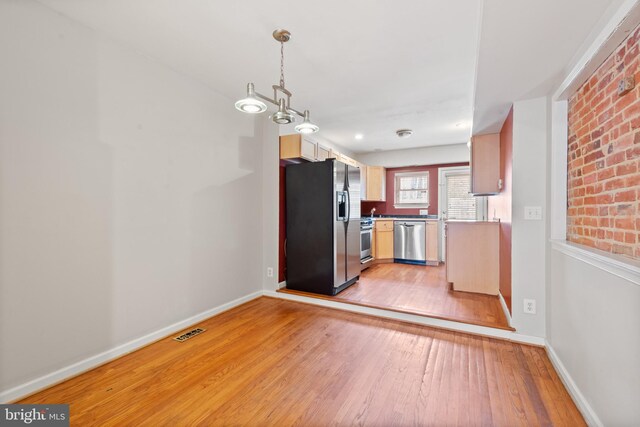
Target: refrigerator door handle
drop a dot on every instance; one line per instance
(348, 197)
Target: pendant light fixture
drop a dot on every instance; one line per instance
(253, 103)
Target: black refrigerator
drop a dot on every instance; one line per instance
(323, 226)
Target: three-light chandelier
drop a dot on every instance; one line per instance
(253, 103)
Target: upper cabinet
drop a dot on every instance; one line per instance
(348, 160)
(375, 182)
(322, 153)
(297, 147)
(485, 165)
(363, 182)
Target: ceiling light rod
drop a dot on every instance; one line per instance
(274, 100)
(281, 97)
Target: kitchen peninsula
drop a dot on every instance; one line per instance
(473, 262)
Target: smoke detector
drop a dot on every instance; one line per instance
(404, 133)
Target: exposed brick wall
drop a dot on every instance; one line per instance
(604, 156)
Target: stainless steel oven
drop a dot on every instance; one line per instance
(366, 234)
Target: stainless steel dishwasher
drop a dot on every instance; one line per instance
(409, 242)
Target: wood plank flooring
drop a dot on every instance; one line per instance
(277, 362)
(420, 290)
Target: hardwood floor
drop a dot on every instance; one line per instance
(420, 290)
(277, 362)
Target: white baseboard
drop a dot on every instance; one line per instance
(413, 318)
(507, 313)
(106, 356)
(586, 410)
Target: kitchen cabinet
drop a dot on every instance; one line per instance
(363, 181)
(376, 184)
(322, 153)
(384, 239)
(297, 147)
(473, 256)
(485, 165)
(432, 243)
(348, 160)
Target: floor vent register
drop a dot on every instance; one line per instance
(192, 333)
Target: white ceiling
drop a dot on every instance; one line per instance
(362, 66)
(525, 48)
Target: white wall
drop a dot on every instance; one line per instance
(594, 328)
(270, 203)
(129, 195)
(529, 237)
(455, 153)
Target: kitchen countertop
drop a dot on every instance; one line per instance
(424, 217)
(406, 218)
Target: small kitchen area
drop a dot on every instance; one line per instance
(424, 240)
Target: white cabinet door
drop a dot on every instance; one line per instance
(308, 149)
(322, 153)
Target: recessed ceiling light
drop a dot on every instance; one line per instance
(404, 133)
(359, 136)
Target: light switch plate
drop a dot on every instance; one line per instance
(424, 212)
(533, 213)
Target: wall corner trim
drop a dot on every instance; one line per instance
(578, 398)
(503, 304)
(95, 361)
(628, 270)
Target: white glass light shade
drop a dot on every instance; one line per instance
(251, 104)
(306, 126)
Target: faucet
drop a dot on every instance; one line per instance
(372, 211)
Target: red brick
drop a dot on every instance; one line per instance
(622, 250)
(625, 223)
(613, 184)
(615, 158)
(624, 209)
(625, 196)
(633, 153)
(626, 169)
(632, 181)
(624, 101)
(603, 156)
(606, 174)
(623, 142)
(604, 199)
(632, 111)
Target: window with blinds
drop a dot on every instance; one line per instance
(460, 204)
(412, 190)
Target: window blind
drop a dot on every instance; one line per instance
(460, 204)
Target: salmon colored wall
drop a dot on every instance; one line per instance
(501, 205)
(387, 208)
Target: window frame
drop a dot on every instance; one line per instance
(396, 190)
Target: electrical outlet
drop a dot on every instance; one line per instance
(533, 212)
(269, 271)
(626, 85)
(424, 211)
(530, 306)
